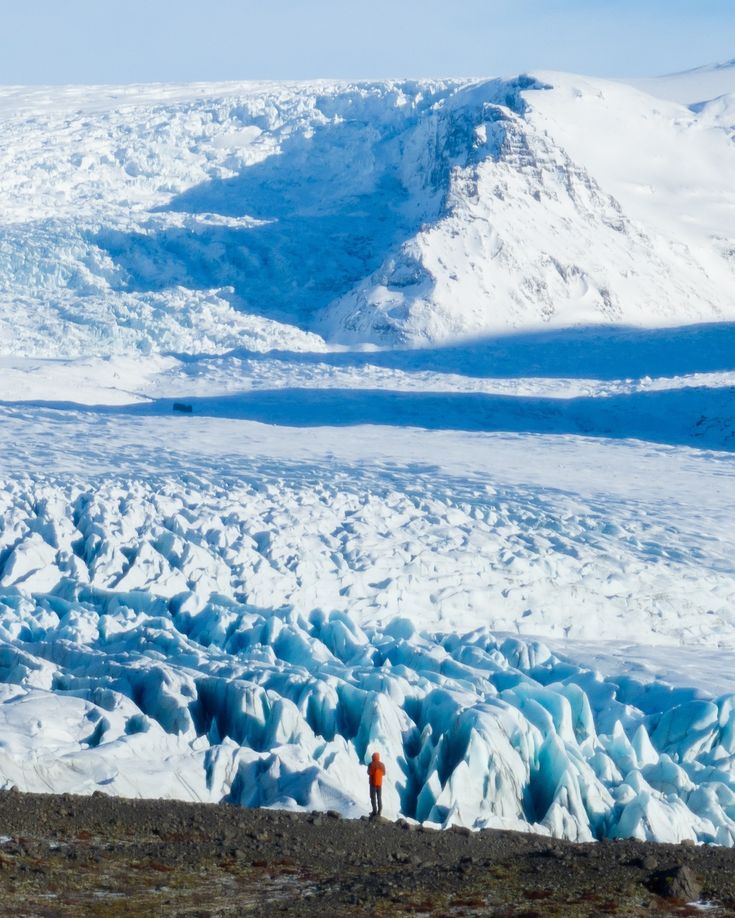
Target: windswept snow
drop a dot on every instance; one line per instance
(692, 87)
(505, 558)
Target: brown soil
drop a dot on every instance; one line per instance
(110, 857)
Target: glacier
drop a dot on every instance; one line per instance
(220, 701)
(458, 478)
(199, 219)
(236, 638)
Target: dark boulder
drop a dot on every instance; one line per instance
(676, 883)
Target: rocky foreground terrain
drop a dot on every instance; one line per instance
(68, 855)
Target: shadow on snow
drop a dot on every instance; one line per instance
(698, 417)
(589, 352)
(315, 219)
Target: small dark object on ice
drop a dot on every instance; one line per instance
(182, 406)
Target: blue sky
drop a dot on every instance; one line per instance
(122, 41)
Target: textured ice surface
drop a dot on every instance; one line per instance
(438, 548)
(507, 563)
(254, 638)
(217, 700)
(201, 219)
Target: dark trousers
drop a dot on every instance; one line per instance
(376, 799)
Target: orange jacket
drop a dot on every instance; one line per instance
(375, 771)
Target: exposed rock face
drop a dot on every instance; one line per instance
(677, 883)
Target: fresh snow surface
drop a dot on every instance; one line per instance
(507, 562)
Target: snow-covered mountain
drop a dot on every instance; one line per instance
(241, 546)
(207, 217)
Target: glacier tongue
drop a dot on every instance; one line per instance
(417, 550)
(449, 550)
(279, 710)
(142, 649)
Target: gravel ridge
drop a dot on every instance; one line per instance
(100, 855)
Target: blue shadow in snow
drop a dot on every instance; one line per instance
(332, 206)
(702, 418)
(590, 352)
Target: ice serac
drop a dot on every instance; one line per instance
(281, 709)
(168, 636)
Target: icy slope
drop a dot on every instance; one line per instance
(584, 202)
(195, 219)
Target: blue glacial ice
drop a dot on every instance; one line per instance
(223, 702)
(229, 639)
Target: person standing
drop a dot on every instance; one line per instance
(376, 773)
